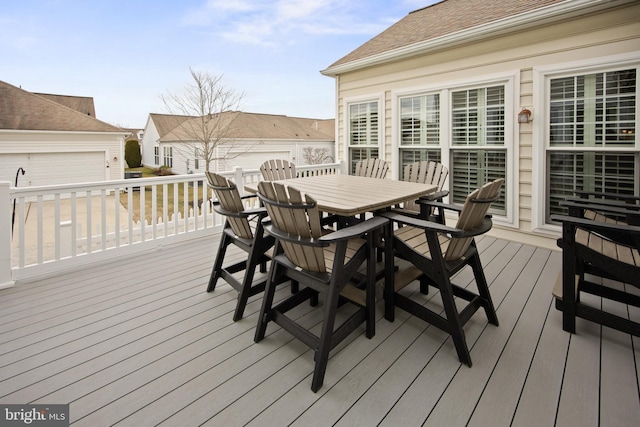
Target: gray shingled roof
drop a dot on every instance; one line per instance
(83, 104)
(23, 110)
(441, 19)
(254, 126)
(165, 123)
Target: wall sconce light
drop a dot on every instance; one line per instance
(524, 116)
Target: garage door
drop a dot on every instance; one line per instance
(53, 168)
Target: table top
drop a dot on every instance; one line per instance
(349, 195)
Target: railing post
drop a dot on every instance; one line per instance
(344, 167)
(239, 179)
(5, 237)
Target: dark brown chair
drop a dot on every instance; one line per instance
(596, 252)
(242, 228)
(274, 170)
(436, 252)
(323, 262)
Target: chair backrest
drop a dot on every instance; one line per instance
(229, 198)
(275, 169)
(424, 172)
(472, 215)
(291, 213)
(371, 168)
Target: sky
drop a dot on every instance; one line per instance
(126, 54)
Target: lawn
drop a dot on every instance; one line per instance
(148, 202)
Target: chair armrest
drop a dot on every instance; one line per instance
(261, 212)
(576, 208)
(246, 196)
(607, 198)
(438, 195)
(355, 230)
(596, 225)
(621, 233)
(332, 237)
(288, 237)
(440, 205)
(437, 227)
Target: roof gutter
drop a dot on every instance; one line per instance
(544, 15)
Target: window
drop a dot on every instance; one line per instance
(478, 149)
(466, 133)
(196, 158)
(363, 132)
(168, 156)
(419, 129)
(591, 136)
(156, 155)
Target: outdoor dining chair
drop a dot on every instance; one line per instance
(243, 228)
(276, 169)
(600, 256)
(436, 252)
(324, 263)
(426, 172)
(372, 168)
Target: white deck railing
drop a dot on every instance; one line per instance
(52, 228)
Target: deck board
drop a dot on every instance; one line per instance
(139, 342)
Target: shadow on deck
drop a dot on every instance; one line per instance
(139, 342)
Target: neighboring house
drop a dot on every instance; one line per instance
(448, 81)
(253, 139)
(56, 139)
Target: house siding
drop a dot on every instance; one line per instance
(44, 142)
(615, 32)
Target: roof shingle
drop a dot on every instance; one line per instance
(23, 110)
(441, 19)
(250, 126)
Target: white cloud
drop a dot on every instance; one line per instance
(279, 22)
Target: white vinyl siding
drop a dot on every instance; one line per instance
(591, 135)
(55, 168)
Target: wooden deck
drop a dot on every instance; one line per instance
(139, 342)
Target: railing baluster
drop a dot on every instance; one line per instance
(40, 231)
(89, 222)
(38, 243)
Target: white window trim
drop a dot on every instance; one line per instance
(541, 79)
(511, 81)
(379, 98)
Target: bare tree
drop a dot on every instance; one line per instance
(316, 156)
(212, 109)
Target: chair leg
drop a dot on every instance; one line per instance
(454, 324)
(424, 285)
(267, 301)
(217, 265)
(247, 282)
(370, 291)
(483, 290)
(324, 346)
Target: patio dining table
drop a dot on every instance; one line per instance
(348, 195)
